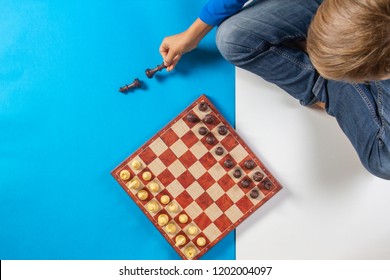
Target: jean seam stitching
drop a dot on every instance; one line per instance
(380, 105)
(366, 101)
(292, 59)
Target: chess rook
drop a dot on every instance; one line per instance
(135, 84)
(150, 72)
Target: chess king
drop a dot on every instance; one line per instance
(333, 53)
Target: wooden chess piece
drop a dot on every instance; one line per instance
(150, 72)
(135, 84)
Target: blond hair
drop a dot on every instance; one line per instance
(350, 40)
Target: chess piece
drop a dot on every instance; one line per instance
(162, 219)
(258, 176)
(173, 207)
(228, 163)
(135, 84)
(152, 206)
(267, 185)
(190, 252)
(165, 199)
(146, 175)
(249, 164)
(180, 240)
(192, 230)
(222, 130)
(210, 139)
(142, 195)
(201, 241)
(203, 106)
(192, 118)
(203, 130)
(150, 72)
(237, 173)
(183, 218)
(154, 187)
(125, 175)
(134, 184)
(219, 151)
(245, 183)
(136, 164)
(254, 193)
(209, 119)
(170, 228)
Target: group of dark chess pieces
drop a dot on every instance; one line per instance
(137, 83)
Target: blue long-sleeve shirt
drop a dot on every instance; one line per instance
(215, 11)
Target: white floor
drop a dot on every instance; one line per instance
(330, 207)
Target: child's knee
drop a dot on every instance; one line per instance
(236, 44)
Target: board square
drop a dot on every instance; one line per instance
(226, 182)
(222, 222)
(186, 179)
(166, 177)
(167, 157)
(204, 200)
(189, 139)
(158, 146)
(190, 173)
(178, 148)
(207, 160)
(188, 159)
(199, 150)
(197, 170)
(215, 191)
(177, 168)
(213, 212)
(195, 190)
(169, 137)
(202, 221)
(244, 204)
(229, 142)
(175, 188)
(212, 232)
(224, 202)
(156, 167)
(184, 199)
(147, 155)
(180, 128)
(206, 181)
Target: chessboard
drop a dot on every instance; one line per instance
(196, 180)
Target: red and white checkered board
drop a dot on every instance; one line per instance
(193, 176)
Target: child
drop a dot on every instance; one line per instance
(345, 66)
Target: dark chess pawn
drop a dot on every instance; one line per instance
(150, 72)
(209, 119)
(135, 84)
(192, 118)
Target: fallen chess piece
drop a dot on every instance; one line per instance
(135, 84)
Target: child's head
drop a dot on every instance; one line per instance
(350, 40)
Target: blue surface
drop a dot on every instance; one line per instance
(64, 126)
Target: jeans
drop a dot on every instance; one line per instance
(260, 38)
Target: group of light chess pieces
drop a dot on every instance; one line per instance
(153, 206)
(137, 83)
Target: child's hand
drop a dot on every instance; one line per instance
(173, 47)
